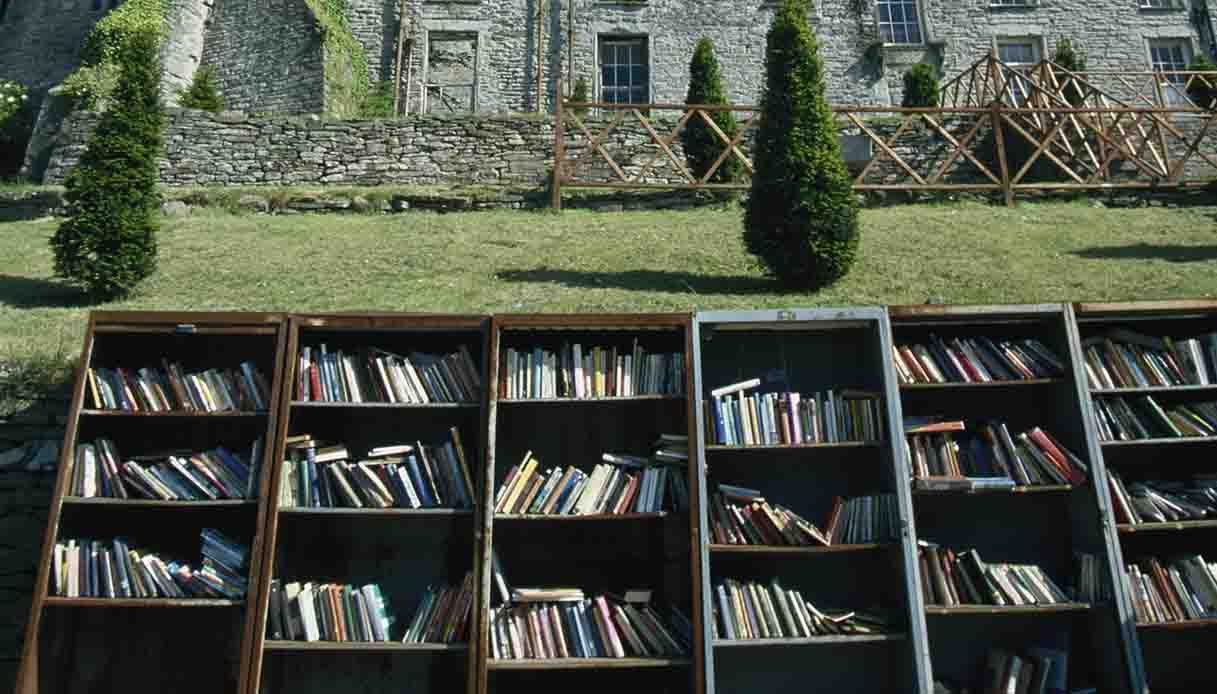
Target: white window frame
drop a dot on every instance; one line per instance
(919, 23)
(1172, 86)
(1019, 91)
(614, 38)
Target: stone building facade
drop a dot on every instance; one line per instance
(482, 55)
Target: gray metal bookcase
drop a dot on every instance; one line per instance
(810, 350)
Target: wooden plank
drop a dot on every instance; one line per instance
(665, 146)
(1176, 526)
(883, 145)
(114, 503)
(960, 148)
(579, 518)
(834, 639)
(387, 512)
(386, 405)
(274, 645)
(587, 663)
(594, 144)
(174, 413)
(997, 610)
(140, 602)
(794, 446)
(982, 384)
(778, 551)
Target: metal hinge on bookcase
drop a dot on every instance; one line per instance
(184, 328)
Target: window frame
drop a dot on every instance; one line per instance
(427, 84)
(919, 22)
(1149, 6)
(618, 39)
(1172, 85)
(1020, 92)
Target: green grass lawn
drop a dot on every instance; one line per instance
(639, 261)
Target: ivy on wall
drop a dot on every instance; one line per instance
(92, 83)
(346, 62)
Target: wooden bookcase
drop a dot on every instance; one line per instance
(92, 644)
(402, 550)
(1166, 654)
(1042, 526)
(596, 553)
(809, 351)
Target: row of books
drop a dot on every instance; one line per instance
(86, 568)
(734, 418)
(991, 457)
(952, 579)
(741, 516)
(170, 388)
(581, 372)
(974, 360)
(394, 475)
(745, 610)
(1035, 670)
(1126, 359)
(443, 616)
(620, 484)
(328, 612)
(1141, 417)
(1163, 501)
(1093, 585)
(576, 626)
(375, 375)
(98, 471)
(1178, 590)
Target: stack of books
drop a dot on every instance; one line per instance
(112, 569)
(745, 610)
(1141, 417)
(991, 458)
(564, 623)
(374, 375)
(951, 579)
(443, 616)
(395, 475)
(1093, 586)
(204, 476)
(1127, 359)
(170, 389)
(1154, 501)
(1033, 671)
(1182, 589)
(583, 372)
(974, 360)
(740, 516)
(620, 484)
(328, 612)
(735, 418)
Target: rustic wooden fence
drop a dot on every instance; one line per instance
(1006, 132)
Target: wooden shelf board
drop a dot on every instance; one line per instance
(387, 405)
(158, 503)
(583, 663)
(1007, 609)
(1145, 390)
(1131, 528)
(343, 511)
(981, 385)
(571, 401)
(1159, 442)
(780, 550)
(1178, 626)
(795, 447)
(812, 641)
(575, 518)
(140, 602)
(1031, 489)
(173, 413)
(358, 647)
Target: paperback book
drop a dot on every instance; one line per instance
(1125, 359)
(1141, 417)
(171, 388)
(735, 417)
(579, 371)
(990, 456)
(950, 579)
(1163, 501)
(315, 611)
(1175, 590)
(99, 470)
(974, 360)
(745, 610)
(376, 375)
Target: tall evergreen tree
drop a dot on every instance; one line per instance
(702, 146)
(801, 218)
(108, 242)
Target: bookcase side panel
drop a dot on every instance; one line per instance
(703, 526)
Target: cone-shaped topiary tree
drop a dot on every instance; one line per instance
(581, 94)
(203, 93)
(702, 146)
(801, 218)
(920, 87)
(108, 242)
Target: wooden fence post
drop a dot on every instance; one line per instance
(559, 147)
(1000, 144)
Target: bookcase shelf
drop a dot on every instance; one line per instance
(834, 639)
(580, 518)
(592, 401)
(980, 385)
(386, 512)
(982, 610)
(778, 551)
(1028, 489)
(128, 633)
(1154, 443)
(587, 663)
(1175, 526)
(715, 448)
(352, 647)
(1177, 626)
(388, 405)
(1154, 390)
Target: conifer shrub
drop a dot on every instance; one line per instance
(203, 92)
(107, 244)
(920, 87)
(801, 218)
(701, 144)
(1073, 61)
(1203, 88)
(582, 94)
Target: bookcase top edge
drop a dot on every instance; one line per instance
(1165, 307)
(199, 317)
(792, 316)
(591, 321)
(388, 321)
(980, 311)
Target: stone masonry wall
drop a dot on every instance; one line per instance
(267, 55)
(183, 49)
(40, 40)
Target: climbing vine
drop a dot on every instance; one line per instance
(346, 62)
(91, 84)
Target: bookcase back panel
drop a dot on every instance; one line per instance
(362, 673)
(665, 680)
(832, 581)
(361, 429)
(191, 351)
(852, 667)
(1021, 407)
(659, 339)
(402, 555)
(960, 645)
(1167, 544)
(154, 649)
(803, 362)
(1176, 326)
(139, 436)
(172, 535)
(1179, 660)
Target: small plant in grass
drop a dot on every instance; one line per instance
(203, 92)
(702, 145)
(107, 244)
(801, 218)
(920, 87)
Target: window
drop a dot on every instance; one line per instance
(624, 71)
(899, 21)
(451, 72)
(1170, 55)
(3, 9)
(1019, 53)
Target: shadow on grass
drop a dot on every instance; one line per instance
(29, 292)
(1146, 251)
(646, 281)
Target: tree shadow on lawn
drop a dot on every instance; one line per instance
(1146, 251)
(646, 281)
(31, 292)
